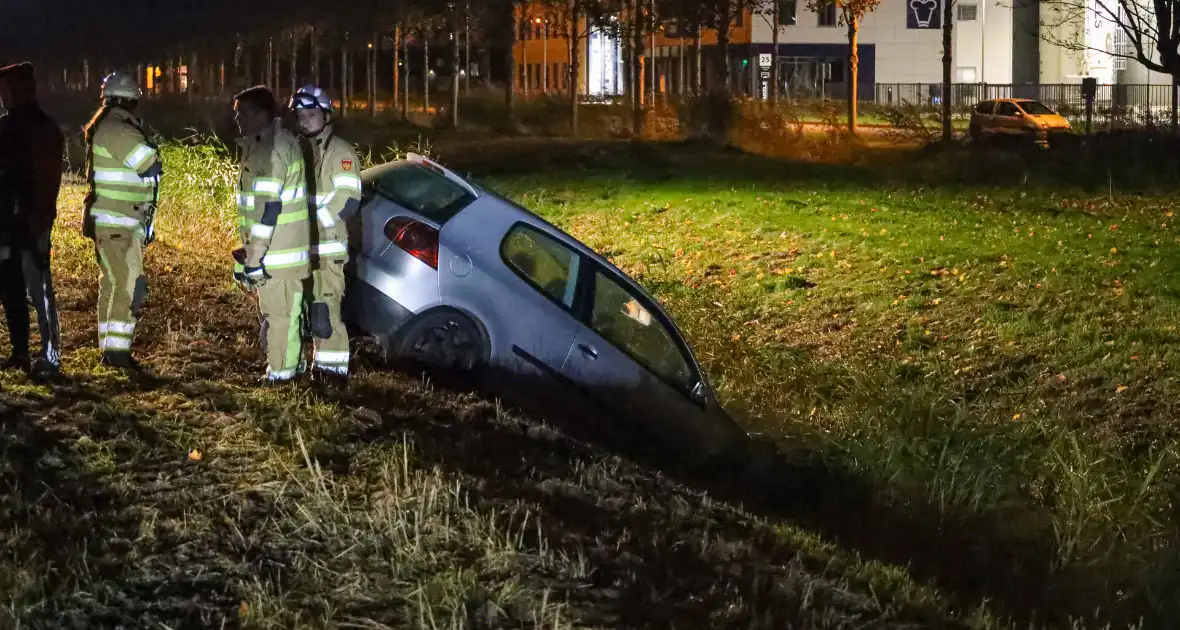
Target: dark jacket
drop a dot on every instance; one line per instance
(31, 148)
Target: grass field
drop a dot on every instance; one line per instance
(984, 375)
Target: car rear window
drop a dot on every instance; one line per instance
(420, 189)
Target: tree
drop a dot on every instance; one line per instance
(947, 32)
(850, 13)
(1150, 32)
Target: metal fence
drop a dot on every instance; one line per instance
(1060, 96)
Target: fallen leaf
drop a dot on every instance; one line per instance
(194, 455)
(1120, 389)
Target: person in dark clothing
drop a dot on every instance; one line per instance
(31, 147)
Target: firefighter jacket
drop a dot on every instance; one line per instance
(123, 172)
(334, 178)
(31, 147)
(272, 203)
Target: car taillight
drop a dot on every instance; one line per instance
(415, 238)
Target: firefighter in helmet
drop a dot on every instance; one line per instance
(123, 168)
(334, 190)
(273, 225)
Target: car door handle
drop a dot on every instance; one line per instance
(589, 351)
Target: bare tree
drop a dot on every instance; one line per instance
(850, 13)
(947, 43)
(1149, 32)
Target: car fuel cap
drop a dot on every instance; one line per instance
(460, 265)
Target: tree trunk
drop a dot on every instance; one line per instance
(775, 18)
(680, 71)
(637, 53)
(406, 78)
(192, 74)
(371, 76)
(345, 96)
(456, 62)
(510, 59)
(947, 28)
(248, 65)
(853, 73)
(426, 74)
(397, 84)
(723, 45)
(294, 73)
(652, 66)
(237, 61)
(697, 63)
(315, 55)
(486, 67)
(267, 76)
(467, 46)
(332, 77)
(575, 58)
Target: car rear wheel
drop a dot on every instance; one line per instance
(442, 340)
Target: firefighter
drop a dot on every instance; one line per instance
(335, 191)
(273, 224)
(31, 149)
(123, 168)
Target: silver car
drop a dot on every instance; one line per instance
(448, 274)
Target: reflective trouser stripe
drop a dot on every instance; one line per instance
(331, 354)
(120, 258)
(281, 303)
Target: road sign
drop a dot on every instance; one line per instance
(764, 60)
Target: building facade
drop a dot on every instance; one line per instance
(995, 43)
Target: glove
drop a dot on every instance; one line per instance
(255, 277)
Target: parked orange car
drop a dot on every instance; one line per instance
(1016, 118)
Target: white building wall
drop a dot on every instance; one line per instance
(914, 55)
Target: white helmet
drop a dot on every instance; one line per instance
(311, 97)
(120, 85)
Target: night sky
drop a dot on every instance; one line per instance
(123, 31)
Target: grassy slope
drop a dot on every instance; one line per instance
(191, 498)
(1000, 362)
(399, 505)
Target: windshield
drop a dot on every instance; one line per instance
(1035, 109)
(417, 188)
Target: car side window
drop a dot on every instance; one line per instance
(1007, 109)
(619, 317)
(985, 107)
(552, 268)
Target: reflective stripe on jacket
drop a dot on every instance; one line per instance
(337, 180)
(272, 202)
(120, 156)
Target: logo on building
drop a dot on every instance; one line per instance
(924, 14)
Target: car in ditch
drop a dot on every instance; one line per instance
(448, 274)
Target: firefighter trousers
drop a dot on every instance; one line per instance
(122, 287)
(280, 303)
(330, 338)
(25, 276)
